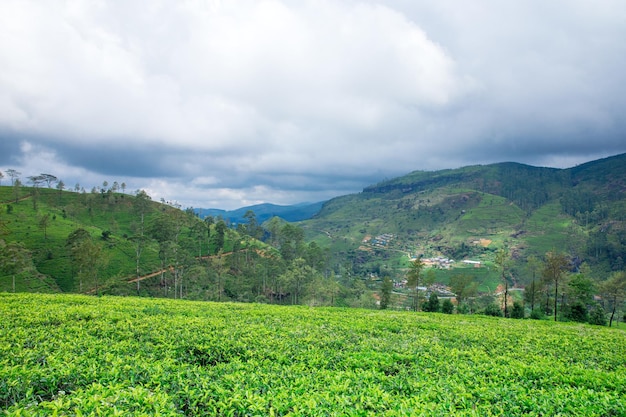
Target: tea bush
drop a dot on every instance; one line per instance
(79, 355)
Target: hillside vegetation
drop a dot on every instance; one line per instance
(79, 355)
(122, 227)
(107, 242)
(486, 235)
(471, 212)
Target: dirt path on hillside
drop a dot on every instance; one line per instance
(12, 201)
(171, 267)
(152, 274)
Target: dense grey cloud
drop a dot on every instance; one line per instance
(224, 104)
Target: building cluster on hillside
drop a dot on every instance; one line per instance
(437, 288)
(446, 263)
(441, 290)
(404, 282)
(380, 241)
(439, 261)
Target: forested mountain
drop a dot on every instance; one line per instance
(470, 212)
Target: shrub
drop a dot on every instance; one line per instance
(447, 306)
(432, 305)
(536, 314)
(493, 310)
(81, 355)
(518, 310)
(578, 312)
(598, 316)
(463, 308)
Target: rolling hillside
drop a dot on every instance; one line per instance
(133, 237)
(470, 212)
(105, 242)
(338, 257)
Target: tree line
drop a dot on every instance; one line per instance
(554, 290)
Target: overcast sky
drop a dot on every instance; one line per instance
(223, 104)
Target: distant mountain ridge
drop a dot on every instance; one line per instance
(265, 211)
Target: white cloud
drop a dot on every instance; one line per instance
(232, 70)
(237, 96)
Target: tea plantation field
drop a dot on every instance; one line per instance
(80, 355)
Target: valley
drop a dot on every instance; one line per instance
(456, 221)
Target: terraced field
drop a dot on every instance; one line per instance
(80, 355)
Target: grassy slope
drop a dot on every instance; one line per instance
(137, 356)
(548, 228)
(68, 211)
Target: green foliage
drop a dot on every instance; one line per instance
(530, 210)
(597, 316)
(168, 249)
(578, 312)
(218, 236)
(432, 305)
(537, 314)
(78, 355)
(447, 307)
(385, 293)
(413, 277)
(615, 291)
(464, 286)
(466, 213)
(493, 310)
(518, 310)
(581, 288)
(554, 267)
(17, 271)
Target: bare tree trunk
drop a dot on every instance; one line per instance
(612, 312)
(163, 283)
(181, 287)
(175, 283)
(138, 252)
(506, 298)
(556, 295)
(219, 286)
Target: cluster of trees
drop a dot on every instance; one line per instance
(16, 261)
(284, 270)
(553, 290)
(38, 181)
(208, 260)
(556, 291)
(50, 180)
